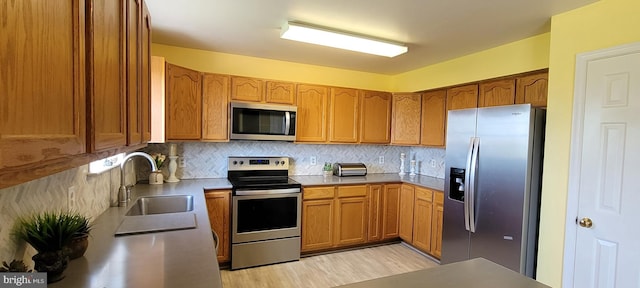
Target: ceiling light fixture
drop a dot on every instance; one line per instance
(322, 36)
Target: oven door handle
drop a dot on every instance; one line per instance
(267, 191)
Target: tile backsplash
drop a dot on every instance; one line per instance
(209, 160)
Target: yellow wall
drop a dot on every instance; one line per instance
(215, 62)
(603, 24)
(520, 56)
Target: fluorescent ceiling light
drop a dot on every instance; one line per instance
(321, 36)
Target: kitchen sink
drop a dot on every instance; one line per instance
(161, 205)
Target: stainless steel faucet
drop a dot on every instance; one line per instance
(124, 193)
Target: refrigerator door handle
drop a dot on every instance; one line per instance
(467, 182)
(472, 184)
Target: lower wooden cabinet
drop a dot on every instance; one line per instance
(436, 224)
(391, 211)
(219, 208)
(351, 215)
(422, 216)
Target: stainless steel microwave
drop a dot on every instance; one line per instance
(254, 121)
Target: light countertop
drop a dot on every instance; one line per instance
(476, 273)
(419, 180)
(182, 258)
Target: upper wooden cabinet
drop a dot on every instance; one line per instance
(183, 103)
(42, 91)
(246, 89)
(462, 97)
(145, 76)
(280, 92)
(375, 117)
(134, 91)
(497, 93)
(405, 123)
(434, 117)
(215, 95)
(343, 122)
(313, 107)
(107, 65)
(532, 89)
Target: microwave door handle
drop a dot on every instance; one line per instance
(287, 122)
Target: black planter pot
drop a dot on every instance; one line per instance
(53, 262)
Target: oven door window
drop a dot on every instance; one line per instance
(267, 214)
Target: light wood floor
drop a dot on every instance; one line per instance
(331, 269)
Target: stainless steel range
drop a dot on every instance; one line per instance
(265, 212)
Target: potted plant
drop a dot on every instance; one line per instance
(80, 241)
(15, 266)
(156, 177)
(49, 233)
(327, 170)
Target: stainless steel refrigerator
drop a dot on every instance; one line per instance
(492, 185)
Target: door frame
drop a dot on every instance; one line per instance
(575, 161)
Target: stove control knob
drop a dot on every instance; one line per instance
(282, 162)
(277, 162)
(235, 162)
(241, 162)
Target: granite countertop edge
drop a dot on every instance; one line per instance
(418, 180)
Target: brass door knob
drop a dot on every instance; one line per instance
(586, 222)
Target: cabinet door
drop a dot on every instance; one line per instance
(434, 114)
(462, 97)
(134, 91)
(183, 103)
(497, 93)
(406, 212)
(422, 219)
(312, 113)
(246, 89)
(375, 117)
(405, 127)
(145, 76)
(317, 224)
(436, 226)
(343, 123)
(351, 221)
(281, 93)
(215, 95)
(391, 211)
(42, 91)
(158, 77)
(375, 213)
(532, 89)
(107, 67)
(218, 206)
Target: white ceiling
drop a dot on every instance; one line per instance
(434, 30)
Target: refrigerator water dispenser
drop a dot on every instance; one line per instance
(456, 187)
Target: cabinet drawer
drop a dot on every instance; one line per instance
(424, 194)
(352, 191)
(438, 197)
(318, 193)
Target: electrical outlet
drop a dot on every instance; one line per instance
(182, 162)
(433, 163)
(380, 159)
(312, 160)
(71, 198)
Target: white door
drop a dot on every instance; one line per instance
(605, 168)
